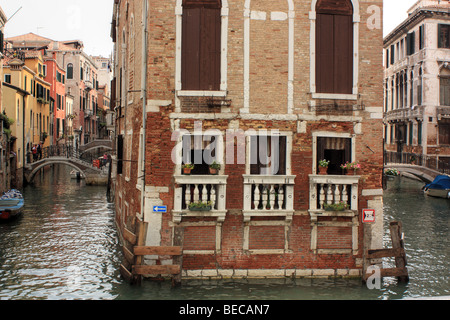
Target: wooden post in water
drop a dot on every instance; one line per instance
(397, 243)
(397, 251)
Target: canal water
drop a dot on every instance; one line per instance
(65, 247)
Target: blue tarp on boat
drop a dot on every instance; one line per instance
(440, 183)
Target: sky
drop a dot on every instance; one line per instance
(60, 20)
(90, 20)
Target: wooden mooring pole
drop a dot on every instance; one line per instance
(133, 268)
(398, 252)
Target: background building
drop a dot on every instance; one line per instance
(417, 83)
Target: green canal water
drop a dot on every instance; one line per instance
(65, 247)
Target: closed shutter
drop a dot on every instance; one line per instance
(334, 47)
(190, 73)
(210, 49)
(343, 54)
(324, 53)
(201, 39)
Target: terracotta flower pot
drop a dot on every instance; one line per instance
(213, 171)
(187, 171)
(323, 170)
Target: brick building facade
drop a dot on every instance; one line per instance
(267, 89)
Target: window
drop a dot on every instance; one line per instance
(419, 133)
(268, 155)
(445, 91)
(336, 150)
(334, 46)
(443, 36)
(201, 150)
(410, 43)
(419, 88)
(444, 132)
(7, 78)
(70, 71)
(421, 37)
(201, 40)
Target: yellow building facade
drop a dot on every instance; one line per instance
(26, 71)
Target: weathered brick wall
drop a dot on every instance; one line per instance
(268, 95)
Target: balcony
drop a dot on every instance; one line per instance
(333, 189)
(268, 196)
(443, 112)
(88, 113)
(88, 84)
(200, 188)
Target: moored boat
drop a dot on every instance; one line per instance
(11, 204)
(439, 188)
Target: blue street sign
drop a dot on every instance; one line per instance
(162, 209)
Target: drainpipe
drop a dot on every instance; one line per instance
(144, 101)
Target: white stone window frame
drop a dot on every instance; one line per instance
(312, 48)
(268, 132)
(330, 134)
(220, 179)
(223, 56)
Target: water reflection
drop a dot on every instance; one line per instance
(65, 244)
(66, 247)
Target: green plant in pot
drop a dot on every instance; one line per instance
(214, 168)
(200, 206)
(187, 167)
(323, 166)
(341, 206)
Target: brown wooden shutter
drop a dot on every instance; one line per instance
(190, 73)
(201, 42)
(343, 54)
(210, 49)
(324, 53)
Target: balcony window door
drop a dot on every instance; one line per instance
(336, 150)
(200, 150)
(268, 155)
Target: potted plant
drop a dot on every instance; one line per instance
(392, 172)
(351, 167)
(341, 206)
(187, 167)
(214, 168)
(200, 206)
(323, 166)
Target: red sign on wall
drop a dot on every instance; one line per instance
(368, 215)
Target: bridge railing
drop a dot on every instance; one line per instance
(430, 162)
(67, 151)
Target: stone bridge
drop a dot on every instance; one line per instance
(424, 167)
(425, 174)
(66, 155)
(96, 144)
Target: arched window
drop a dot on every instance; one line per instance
(70, 71)
(334, 46)
(201, 45)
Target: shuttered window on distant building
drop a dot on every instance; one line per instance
(444, 36)
(334, 46)
(201, 45)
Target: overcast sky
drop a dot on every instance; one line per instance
(90, 20)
